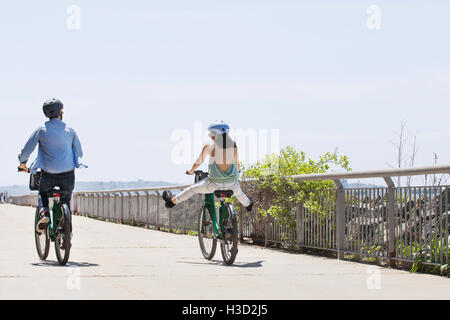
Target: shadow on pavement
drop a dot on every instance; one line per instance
(256, 264)
(53, 263)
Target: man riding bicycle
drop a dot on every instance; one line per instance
(58, 155)
(223, 170)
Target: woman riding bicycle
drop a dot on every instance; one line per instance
(223, 170)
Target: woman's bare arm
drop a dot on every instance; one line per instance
(205, 152)
(236, 157)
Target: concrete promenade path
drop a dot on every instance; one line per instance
(114, 261)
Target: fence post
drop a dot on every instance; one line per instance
(103, 204)
(130, 206)
(122, 206)
(340, 218)
(241, 225)
(300, 227)
(170, 219)
(96, 201)
(108, 206)
(266, 231)
(73, 203)
(157, 209)
(390, 218)
(147, 198)
(115, 206)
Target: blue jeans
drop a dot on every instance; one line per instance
(65, 181)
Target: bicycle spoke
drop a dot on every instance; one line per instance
(206, 236)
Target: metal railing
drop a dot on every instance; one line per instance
(394, 223)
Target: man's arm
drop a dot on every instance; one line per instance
(76, 145)
(205, 152)
(29, 147)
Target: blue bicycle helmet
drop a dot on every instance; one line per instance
(52, 108)
(219, 127)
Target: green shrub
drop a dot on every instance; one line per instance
(281, 193)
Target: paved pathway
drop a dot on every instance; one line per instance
(113, 261)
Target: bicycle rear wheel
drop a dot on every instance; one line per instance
(229, 244)
(42, 239)
(206, 238)
(63, 241)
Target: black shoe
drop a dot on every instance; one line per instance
(43, 221)
(168, 199)
(250, 206)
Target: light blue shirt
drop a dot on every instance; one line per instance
(59, 148)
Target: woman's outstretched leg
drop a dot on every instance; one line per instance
(200, 187)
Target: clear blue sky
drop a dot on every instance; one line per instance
(136, 71)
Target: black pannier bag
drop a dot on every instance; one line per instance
(35, 180)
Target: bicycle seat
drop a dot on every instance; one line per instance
(223, 193)
(56, 193)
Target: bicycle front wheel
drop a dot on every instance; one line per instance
(63, 241)
(42, 239)
(229, 244)
(206, 238)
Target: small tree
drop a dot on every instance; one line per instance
(280, 192)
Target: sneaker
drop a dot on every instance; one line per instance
(43, 221)
(250, 206)
(168, 199)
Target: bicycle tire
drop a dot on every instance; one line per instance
(206, 228)
(63, 242)
(229, 245)
(42, 240)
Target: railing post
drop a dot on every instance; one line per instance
(129, 206)
(108, 206)
(157, 209)
(138, 210)
(73, 203)
(103, 204)
(147, 197)
(122, 206)
(340, 218)
(300, 226)
(241, 225)
(266, 232)
(170, 218)
(96, 201)
(390, 218)
(115, 206)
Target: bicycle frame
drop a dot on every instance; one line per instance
(55, 219)
(223, 213)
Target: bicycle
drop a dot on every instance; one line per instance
(224, 229)
(58, 229)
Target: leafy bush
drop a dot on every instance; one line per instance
(277, 194)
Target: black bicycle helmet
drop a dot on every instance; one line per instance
(52, 108)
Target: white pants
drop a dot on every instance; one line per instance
(206, 186)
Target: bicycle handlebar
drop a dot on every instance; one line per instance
(200, 175)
